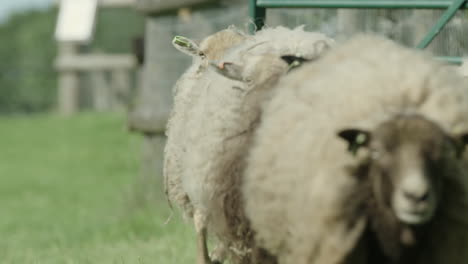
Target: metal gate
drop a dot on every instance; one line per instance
(258, 12)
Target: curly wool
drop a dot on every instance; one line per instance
(220, 116)
(298, 194)
(186, 94)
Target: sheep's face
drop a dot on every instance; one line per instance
(417, 184)
(259, 65)
(408, 158)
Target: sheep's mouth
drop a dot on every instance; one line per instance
(413, 210)
(414, 217)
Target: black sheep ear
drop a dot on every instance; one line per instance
(356, 138)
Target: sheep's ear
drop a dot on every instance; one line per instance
(229, 70)
(356, 138)
(187, 46)
(460, 144)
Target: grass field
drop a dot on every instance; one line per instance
(67, 189)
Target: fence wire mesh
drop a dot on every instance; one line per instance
(403, 25)
(165, 64)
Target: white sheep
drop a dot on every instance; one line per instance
(300, 195)
(186, 94)
(221, 112)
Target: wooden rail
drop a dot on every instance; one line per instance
(112, 3)
(161, 6)
(119, 67)
(95, 62)
(110, 74)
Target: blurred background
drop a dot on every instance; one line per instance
(85, 92)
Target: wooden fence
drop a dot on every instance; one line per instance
(110, 74)
(105, 91)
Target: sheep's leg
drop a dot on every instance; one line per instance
(202, 248)
(203, 257)
(218, 255)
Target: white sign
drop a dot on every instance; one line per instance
(76, 21)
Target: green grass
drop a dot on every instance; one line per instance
(67, 189)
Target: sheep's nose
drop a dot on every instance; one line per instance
(416, 197)
(415, 187)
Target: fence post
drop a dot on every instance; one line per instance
(444, 19)
(258, 15)
(68, 82)
(120, 82)
(349, 21)
(101, 91)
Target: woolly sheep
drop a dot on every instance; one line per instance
(404, 180)
(186, 95)
(217, 126)
(298, 194)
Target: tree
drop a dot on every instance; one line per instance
(28, 80)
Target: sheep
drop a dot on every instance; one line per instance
(301, 189)
(214, 131)
(186, 94)
(410, 161)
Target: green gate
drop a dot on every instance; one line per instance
(258, 12)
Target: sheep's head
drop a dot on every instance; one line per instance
(409, 157)
(260, 60)
(258, 69)
(212, 47)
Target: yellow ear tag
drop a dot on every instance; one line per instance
(294, 64)
(182, 41)
(361, 138)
